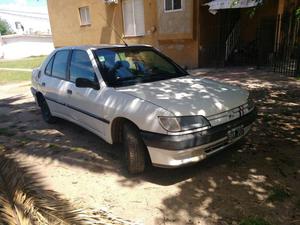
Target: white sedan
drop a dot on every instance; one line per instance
(137, 96)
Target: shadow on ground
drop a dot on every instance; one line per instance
(258, 177)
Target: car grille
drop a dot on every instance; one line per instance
(230, 115)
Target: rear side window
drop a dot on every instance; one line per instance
(48, 70)
(60, 64)
(81, 66)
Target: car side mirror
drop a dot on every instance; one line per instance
(86, 83)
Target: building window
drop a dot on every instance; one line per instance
(133, 17)
(85, 18)
(173, 5)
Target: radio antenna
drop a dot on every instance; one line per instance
(116, 32)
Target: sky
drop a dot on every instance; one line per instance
(21, 4)
(34, 3)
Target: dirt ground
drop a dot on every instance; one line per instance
(259, 177)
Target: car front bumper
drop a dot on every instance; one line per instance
(178, 150)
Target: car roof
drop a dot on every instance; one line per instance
(87, 47)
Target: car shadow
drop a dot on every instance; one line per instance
(258, 178)
(73, 145)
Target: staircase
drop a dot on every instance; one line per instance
(232, 40)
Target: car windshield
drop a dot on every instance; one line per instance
(126, 66)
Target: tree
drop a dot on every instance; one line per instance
(5, 27)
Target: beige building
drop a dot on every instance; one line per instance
(185, 30)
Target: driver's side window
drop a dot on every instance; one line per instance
(81, 66)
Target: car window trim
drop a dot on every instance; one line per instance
(51, 59)
(68, 64)
(98, 65)
(73, 50)
(66, 78)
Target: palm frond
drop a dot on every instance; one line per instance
(24, 199)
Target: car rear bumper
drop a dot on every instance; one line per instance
(33, 92)
(179, 150)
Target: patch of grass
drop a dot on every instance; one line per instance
(6, 132)
(254, 221)
(278, 194)
(78, 149)
(14, 76)
(26, 63)
(54, 149)
(298, 78)
(23, 141)
(51, 145)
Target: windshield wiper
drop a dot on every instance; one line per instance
(121, 80)
(158, 77)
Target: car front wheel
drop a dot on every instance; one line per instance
(134, 149)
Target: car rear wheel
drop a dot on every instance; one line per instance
(134, 149)
(47, 116)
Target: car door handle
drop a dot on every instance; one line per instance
(43, 84)
(69, 91)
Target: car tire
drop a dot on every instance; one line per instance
(46, 113)
(134, 149)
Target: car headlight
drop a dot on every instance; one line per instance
(182, 123)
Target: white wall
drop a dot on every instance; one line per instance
(17, 46)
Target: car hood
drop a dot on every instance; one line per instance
(189, 95)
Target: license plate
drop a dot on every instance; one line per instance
(235, 133)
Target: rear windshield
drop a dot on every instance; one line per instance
(131, 65)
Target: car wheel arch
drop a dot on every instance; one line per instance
(39, 98)
(117, 129)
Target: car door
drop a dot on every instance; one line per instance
(85, 103)
(53, 84)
